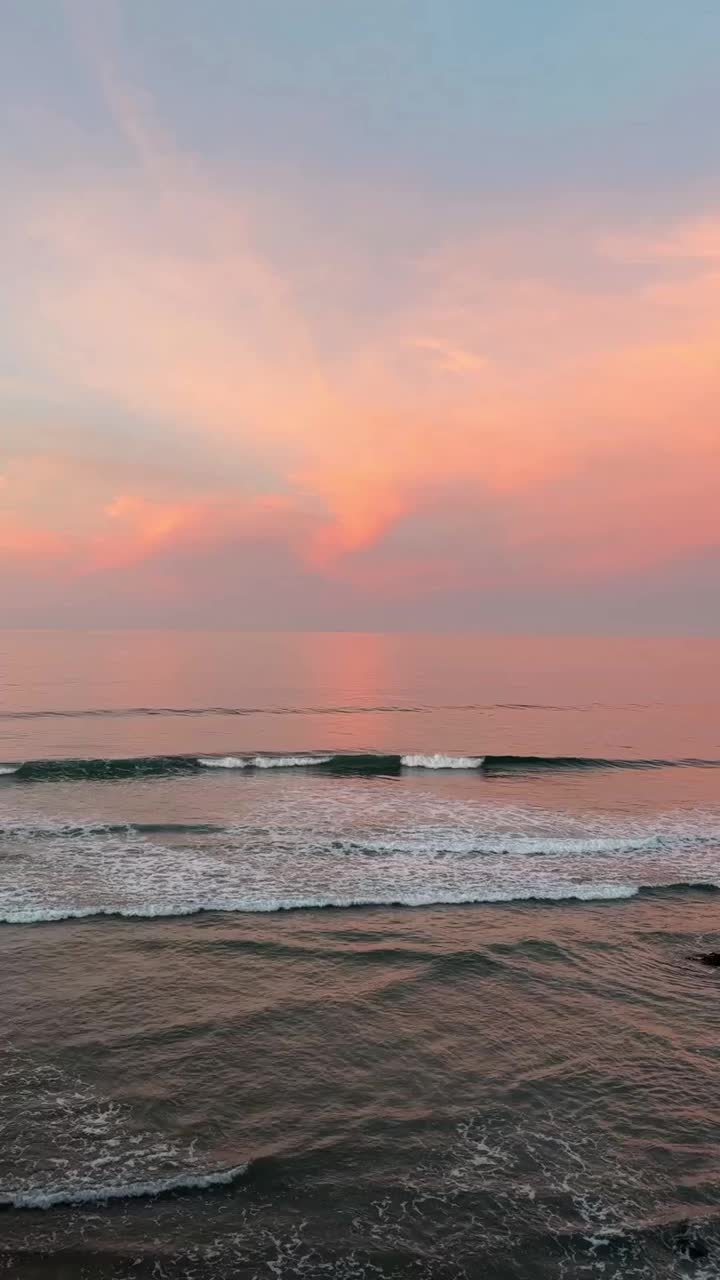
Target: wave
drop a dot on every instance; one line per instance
(458, 839)
(439, 761)
(548, 893)
(262, 762)
(469, 845)
(559, 764)
(462, 843)
(83, 830)
(49, 1199)
(387, 764)
(367, 762)
(100, 769)
(127, 713)
(124, 713)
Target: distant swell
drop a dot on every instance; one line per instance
(48, 1199)
(333, 763)
(130, 713)
(547, 893)
(125, 713)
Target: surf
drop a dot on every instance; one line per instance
(522, 894)
(333, 763)
(100, 1194)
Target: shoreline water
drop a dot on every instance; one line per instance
(512, 1076)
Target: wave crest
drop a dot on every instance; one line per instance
(352, 762)
(261, 762)
(49, 1199)
(439, 761)
(587, 892)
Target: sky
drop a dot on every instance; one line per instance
(330, 314)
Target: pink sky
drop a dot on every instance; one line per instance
(316, 399)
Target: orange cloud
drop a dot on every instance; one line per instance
(138, 528)
(353, 448)
(33, 544)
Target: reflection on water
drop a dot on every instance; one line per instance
(466, 693)
(518, 1090)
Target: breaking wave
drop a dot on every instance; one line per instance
(329, 762)
(261, 762)
(48, 1199)
(561, 893)
(441, 762)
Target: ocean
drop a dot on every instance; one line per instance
(332, 955)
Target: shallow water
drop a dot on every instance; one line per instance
(384, 1018)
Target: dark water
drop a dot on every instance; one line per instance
(356, 956)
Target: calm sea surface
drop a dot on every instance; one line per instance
(358, 956)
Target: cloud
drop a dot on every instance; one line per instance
(522, 403)
(451, 359)
(601, 419)
(139, 528)
(694, 239)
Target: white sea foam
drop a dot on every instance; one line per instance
(287, 762)
(439, 761)
(67, 1143)
(466, 844)
(48, 1198)
(434, 761)
(257, 904)
(261, 762)
(9, 768)
(224, 762)
(304, 848)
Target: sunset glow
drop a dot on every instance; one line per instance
(270, 359)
